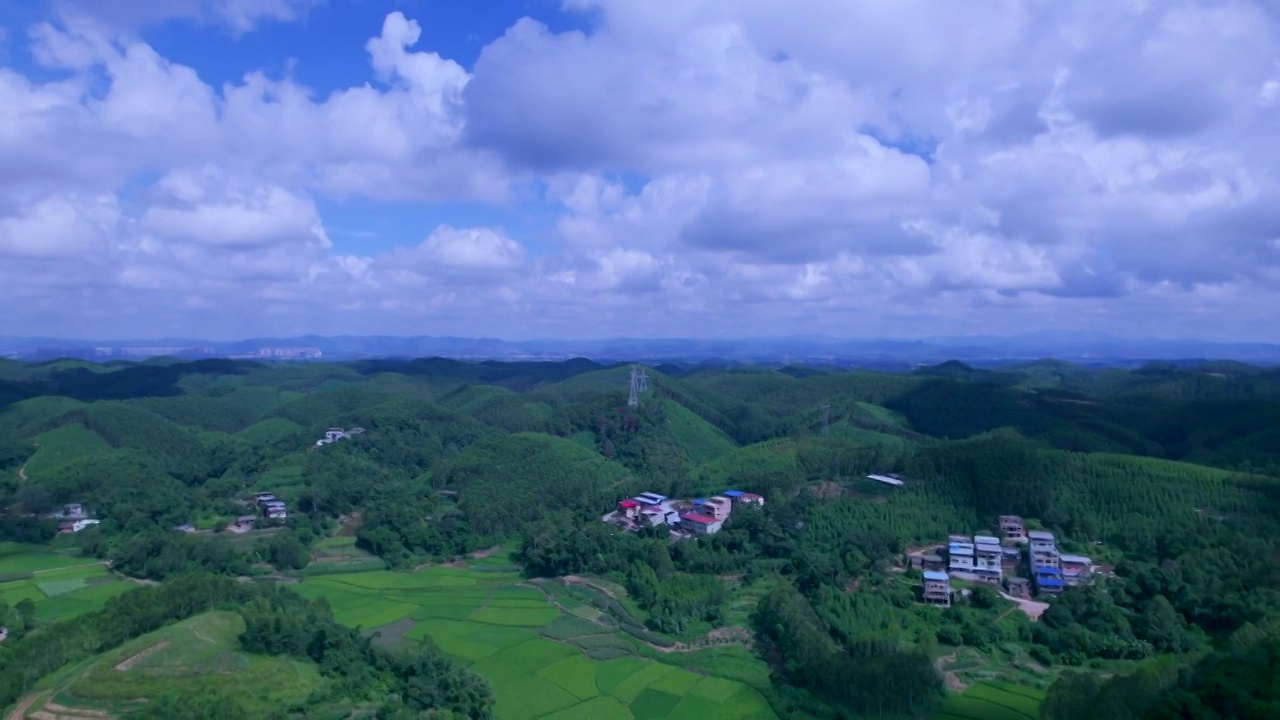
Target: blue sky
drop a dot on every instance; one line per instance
(589, 168)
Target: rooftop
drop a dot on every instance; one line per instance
(1075, 559)
(986, 539)
(628, 504)
(695, 517)
(732, 493)
(1040, 535)
(885, 479)
(935, 575)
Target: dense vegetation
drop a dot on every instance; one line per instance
(1167, 475)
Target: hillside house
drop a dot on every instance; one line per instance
(988, 559)
(71, 511)
(886, 479)
(4, 633)
(1013, 529)
(649, 498)
(937, 588)
(185, 528)
(744, 498)
(244, 522)
(75, 526)
(960, 557)
(1018, 587)
(1042, 550)
(629, 509)
(1076, 569)
(1010, 556)
(700, 524)
(719, 506)
(1048, 580)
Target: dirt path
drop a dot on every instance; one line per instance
(579, 580)
(20, 712)
(68, 567)
(951, 679)
(1032, 608)
(64, 711)
(138, 657)
(482, 554)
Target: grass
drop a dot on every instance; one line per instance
(198, 653)
(991, 700)
(543, 663)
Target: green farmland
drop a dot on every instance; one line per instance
(513, 636)
(61, 586)
(198, 654)
(993, 701)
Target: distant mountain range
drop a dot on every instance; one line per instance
(1085, 348)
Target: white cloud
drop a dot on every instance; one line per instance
(238, 16)
(752, 167)
(469, 249)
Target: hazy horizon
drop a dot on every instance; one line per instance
(597, 169)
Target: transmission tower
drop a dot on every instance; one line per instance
(826, 418)
(639, 384)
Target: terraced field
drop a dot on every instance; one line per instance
(993, 701)
(528, 648)
(61, 586)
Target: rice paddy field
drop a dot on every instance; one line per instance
(545, 661)
(60, 585)
(993, 701)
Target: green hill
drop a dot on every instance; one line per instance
(63, 445)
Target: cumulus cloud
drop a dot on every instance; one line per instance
(749, 167)
(239, 16)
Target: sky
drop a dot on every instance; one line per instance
(641, 168)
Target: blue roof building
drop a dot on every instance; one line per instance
(732, 493)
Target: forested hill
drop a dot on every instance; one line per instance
(1165, 474)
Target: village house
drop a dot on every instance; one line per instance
(75, 526)
(937, 587)
(245, 522)
(1046, 569)
(1076, 569)
(744, 498)
(988, 558)
(700, 524)
(1043, 550)
(717, 507)
(960, 553)
(1013, 529)
(1018, 587)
